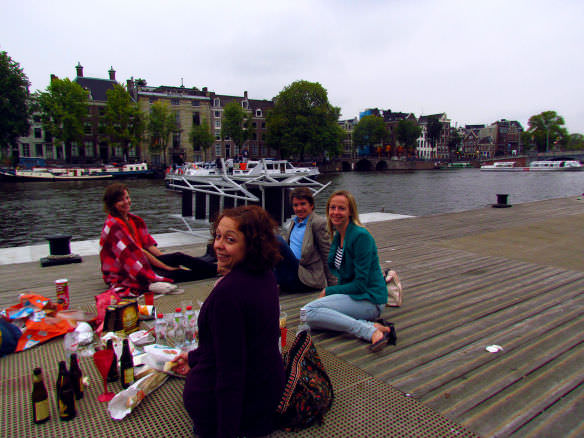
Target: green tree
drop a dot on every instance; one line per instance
(202, 138)
(161, 123)
(546, 129)
(124, 124)
(434, 129)
(64, 107)
(407, 132)
(370, 130)
(304, 122)
(236, 123)
(14, 96)
(575, 142)
(454, 140)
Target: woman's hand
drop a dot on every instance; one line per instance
(182, 367)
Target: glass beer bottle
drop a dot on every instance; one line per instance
(40, 398)
(65, 394)
(112, 375)
(76, 377)
(126, 366)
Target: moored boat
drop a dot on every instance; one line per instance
(535, 166)
(245, 171)
(53, 174)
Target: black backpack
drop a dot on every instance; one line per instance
(308, 393)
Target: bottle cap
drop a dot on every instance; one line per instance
(178, 309)
(37, 371)
(189, 307)
(159, 316)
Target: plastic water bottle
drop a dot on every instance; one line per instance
(303, 325)
(189, 323)
(161, 330)
(179, 328)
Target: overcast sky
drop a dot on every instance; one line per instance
(478, 61)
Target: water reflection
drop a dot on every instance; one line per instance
(30, 211)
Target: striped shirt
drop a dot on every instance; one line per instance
(338, 257)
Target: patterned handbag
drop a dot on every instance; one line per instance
(308, 393)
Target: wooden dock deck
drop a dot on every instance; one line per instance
(512, 277)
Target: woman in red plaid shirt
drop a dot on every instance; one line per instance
(129, 255)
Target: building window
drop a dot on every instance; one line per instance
(36, 119)
(258, 113)
(196, 119)
(254, 124)
(217, 123)
(244, 104)
(155, 159)
(217, 134)
(88, 149)
(49, 151)
(254, 149)
(263, 125)
(118, 151)
(25, 150)
(38, 150)
(174, 101)
(217, 149)
(218, 114)
(87, 128)
(74, 150)
(216, 102)
(175, 140)
(38, 133)
(195, 103)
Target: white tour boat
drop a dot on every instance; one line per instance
(535, 166)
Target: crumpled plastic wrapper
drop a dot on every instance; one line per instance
(126, 401)
(80, 340)
(141, 337)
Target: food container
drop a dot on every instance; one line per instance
(62, 287)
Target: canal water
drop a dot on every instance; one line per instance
(30, 211)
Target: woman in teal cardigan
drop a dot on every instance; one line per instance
(357, 300)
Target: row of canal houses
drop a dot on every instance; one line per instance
(193, 106)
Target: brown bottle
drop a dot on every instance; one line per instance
(76, 377)
(126, 366)
(40, 398)
(112, 375)
(65, 394)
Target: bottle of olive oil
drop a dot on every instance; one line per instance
(126, 366)
(40, 398)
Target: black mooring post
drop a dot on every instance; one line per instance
(214, 207)
(59, 251)
(187, 203)
(502, 201)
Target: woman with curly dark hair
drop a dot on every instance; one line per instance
(235, 378)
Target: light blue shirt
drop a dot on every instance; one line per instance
(297, 236)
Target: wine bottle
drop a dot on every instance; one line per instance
(112, 375)
(126, 366)
(40, 398)
(65, 394)
(76, 377)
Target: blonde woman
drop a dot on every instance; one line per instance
(352, 305)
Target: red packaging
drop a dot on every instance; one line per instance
(62, 287)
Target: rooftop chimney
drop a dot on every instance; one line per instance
(79, 69)
(245, 94)
(112, 74)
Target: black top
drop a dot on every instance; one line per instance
(237, 375)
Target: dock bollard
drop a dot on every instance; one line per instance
(502, 201)
(60, 252)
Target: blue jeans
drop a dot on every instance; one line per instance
(342, 313)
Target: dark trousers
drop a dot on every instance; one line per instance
(200, 267)
(286, 270)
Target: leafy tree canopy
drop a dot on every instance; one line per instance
(161, 123)
(370, 131)
(14, 95)
(64, 109)
(547, 129)
(124, 121)
(236, 123)
(434, 129)
(407, 132)
(304, 122)
(575, 142)
(201, 137)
